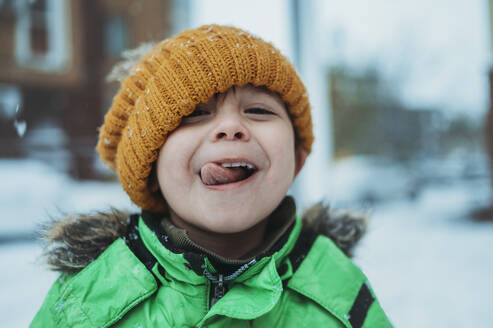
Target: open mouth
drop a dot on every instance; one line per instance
(217, 173)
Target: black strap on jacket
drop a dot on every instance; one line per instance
(301, 248)
(361, 305)
(134, 242)
(136, 245)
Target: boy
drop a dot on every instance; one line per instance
(206, 136)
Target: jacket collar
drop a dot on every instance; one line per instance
(278, 223)
(261, 279)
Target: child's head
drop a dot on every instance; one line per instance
(197, 103)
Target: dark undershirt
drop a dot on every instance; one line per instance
(278, 224)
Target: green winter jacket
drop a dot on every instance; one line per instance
(138, 282)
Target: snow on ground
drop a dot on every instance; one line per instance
(428, 263)
(31, 192)
(23, 283)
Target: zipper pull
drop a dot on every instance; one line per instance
(219, 290)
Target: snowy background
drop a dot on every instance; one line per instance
(429, 262)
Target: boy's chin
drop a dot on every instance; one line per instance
(236, 217)
(237, 214)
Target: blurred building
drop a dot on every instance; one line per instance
(369, 119)
(54, 57)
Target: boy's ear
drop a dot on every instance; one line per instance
(300, 155)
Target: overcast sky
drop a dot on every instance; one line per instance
(269, 19)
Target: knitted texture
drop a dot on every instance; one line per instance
(175, 76)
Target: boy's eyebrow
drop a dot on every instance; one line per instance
(268, 92)
(219, 97)
(263, 89)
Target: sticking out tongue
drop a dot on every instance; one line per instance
(215, 174)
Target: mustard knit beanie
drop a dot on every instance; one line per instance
(175, 76)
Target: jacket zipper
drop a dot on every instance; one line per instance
(218, 289)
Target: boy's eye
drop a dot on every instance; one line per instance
(198, 112)
(258, 110)
(197, 116)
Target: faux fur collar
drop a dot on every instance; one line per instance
(74, 242)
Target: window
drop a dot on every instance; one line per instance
(41, 34)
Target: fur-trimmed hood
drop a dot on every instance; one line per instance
(74, 242)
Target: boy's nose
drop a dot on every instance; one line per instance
(230, 128)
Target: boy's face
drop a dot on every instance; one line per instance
(198, 171)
